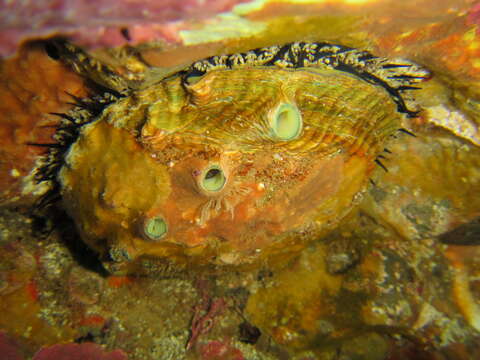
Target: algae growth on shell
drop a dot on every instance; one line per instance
(234, 160)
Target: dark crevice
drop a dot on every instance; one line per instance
(56, 219)
(249, 333)
(125, 33)
(52, 51)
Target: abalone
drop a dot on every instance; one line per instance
(236, 160)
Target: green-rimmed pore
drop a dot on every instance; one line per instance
(155, 228)
(286, 122)
(213, 179)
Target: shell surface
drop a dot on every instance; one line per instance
(234, 160)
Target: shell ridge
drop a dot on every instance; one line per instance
(395, 78)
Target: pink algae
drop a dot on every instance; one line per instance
(101, 22)
(85, 351)
(217, 350)
(8, 348)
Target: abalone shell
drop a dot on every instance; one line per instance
(236, 160)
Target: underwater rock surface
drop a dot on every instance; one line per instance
(393, 276)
